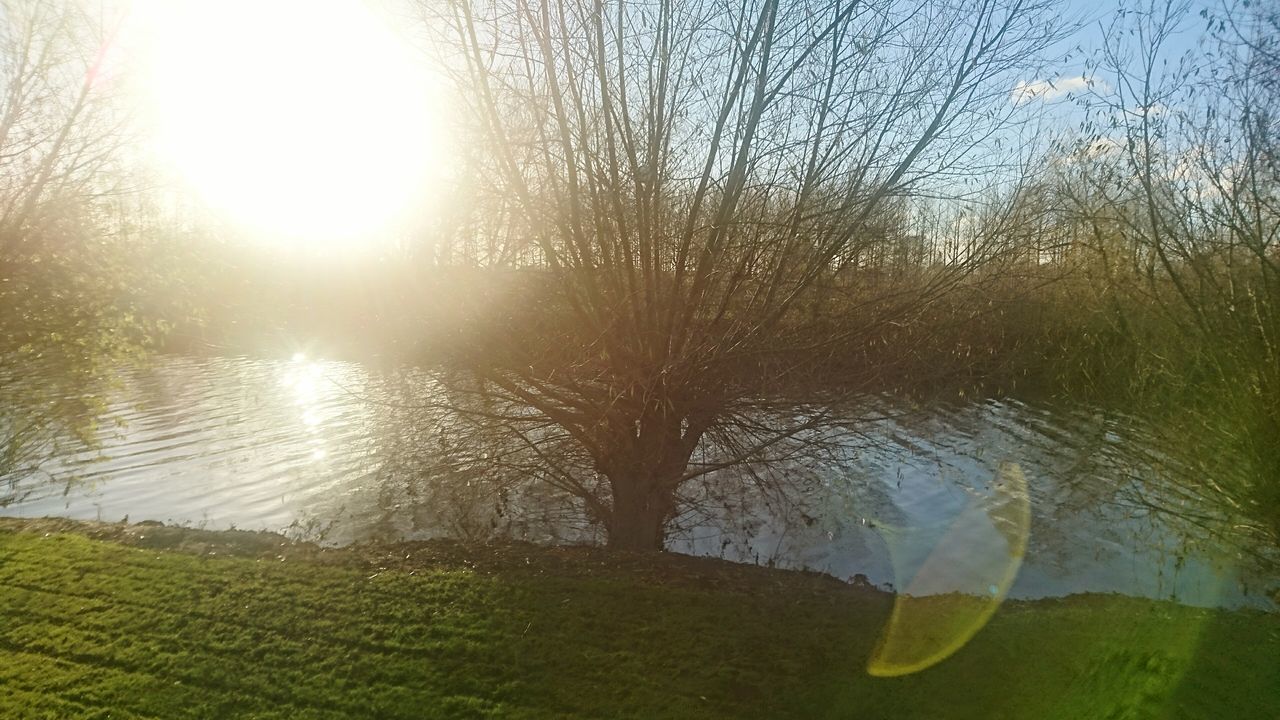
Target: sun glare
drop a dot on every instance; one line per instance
(303, 122)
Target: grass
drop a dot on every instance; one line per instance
(102, 621)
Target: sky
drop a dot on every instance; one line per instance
(313, 70)
(1084, 48)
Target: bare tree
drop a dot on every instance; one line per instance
(1175, 192)
(705, 186)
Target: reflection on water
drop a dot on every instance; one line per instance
(286, 446)
(218, 442)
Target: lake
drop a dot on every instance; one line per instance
(288, 446)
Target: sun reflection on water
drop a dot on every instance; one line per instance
(307, 384)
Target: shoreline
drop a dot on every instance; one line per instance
(141, 620)
(513, 556)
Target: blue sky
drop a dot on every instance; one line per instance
(1073, 71)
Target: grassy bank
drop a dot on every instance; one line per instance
(139, 621)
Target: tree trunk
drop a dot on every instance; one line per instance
(639, 514)
(648, 443)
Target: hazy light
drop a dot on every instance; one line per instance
(305, 122)
(304, 380)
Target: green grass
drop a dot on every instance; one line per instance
(152, 622)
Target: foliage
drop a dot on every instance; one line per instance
(73, 265)
(1175, 202)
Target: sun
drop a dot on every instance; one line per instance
(304, 122)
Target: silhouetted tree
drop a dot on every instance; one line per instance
(696, 179)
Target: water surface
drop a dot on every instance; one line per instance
(287, 446)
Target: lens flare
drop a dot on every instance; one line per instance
(961, 583)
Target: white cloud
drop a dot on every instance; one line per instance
(1046, 90)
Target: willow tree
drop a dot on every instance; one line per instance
(701, 186)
